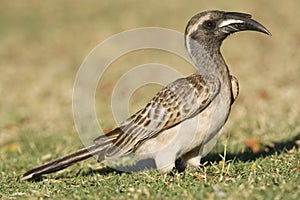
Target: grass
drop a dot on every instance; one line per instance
(42, 47)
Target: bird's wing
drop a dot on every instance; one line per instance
(178, 101)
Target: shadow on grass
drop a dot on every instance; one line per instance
(278, 147)
(249, 155)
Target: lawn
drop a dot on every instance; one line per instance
(42, 47)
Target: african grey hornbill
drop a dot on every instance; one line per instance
(185, 118)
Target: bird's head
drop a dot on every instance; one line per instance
(212, 27)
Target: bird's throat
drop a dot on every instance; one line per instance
(207, 58)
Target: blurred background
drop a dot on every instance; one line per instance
(43, 44)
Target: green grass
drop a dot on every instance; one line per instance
(42, 47)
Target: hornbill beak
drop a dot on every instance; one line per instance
(234, 22)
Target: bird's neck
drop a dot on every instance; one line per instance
(208, 58)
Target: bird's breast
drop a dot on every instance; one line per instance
(193, 132)
(210, 121)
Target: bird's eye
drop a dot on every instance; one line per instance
(209, 24)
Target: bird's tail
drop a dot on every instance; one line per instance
(64, 162)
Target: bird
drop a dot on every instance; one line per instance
(185, 118)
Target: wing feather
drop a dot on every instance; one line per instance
(178, 101)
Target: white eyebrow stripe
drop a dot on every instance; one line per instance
(230, 21)
(195, 26)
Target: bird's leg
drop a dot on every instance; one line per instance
(192, 159)
(173, 172)
(193, 163)
(165, 163)
(180, 164)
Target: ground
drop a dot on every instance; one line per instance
(42, 47)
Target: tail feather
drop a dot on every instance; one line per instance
(64, 162)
